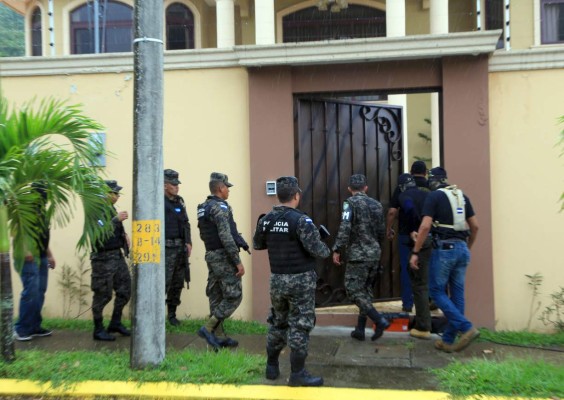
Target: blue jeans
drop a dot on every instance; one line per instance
(405, 281)
(34, 280)
(448, 268)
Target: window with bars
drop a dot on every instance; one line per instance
(312, 24)
(101, 26)
(179, 27)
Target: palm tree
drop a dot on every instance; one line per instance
(51, 144)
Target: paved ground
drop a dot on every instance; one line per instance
(395, 361)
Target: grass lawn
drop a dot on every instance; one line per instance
(510, 377)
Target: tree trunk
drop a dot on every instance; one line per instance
(6, 296)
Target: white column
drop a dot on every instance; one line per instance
(395, 18)
(439, 25)
(438, 11)
(225, 19)
(264, 22)
(395, 27)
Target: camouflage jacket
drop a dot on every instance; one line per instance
(362, 229)
(221, 214)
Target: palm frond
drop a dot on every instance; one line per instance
(51, 117)
(30, 152)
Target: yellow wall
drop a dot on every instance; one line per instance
(527, 180)
(203, 132)
(418, 108)
(522, 28)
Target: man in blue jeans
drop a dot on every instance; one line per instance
(34, 279)
(449, 216)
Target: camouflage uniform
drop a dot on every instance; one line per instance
(292, 315)
(224, 288)
(110, 272)
(359, 237)
(177, 266)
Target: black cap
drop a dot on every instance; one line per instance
(287, 182)
(419, 168)
(113, 185)
(405, 179)
(171, 176)
(437, 173)
(357, 180)
(219, 177)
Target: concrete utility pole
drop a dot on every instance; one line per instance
(148, 299)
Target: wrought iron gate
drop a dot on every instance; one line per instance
(333, 140)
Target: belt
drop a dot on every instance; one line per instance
(174, 242)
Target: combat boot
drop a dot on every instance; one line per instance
(172, 316)
(358, 332)
(222, 338)
(272, 364)
(117, 326)
(100, 333)
(299, 375)
(381, 323)
(206, 332)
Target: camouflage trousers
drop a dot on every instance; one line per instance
(109, 272)
(224, 288)
(292, 316)
(176, 265)
(359, 281)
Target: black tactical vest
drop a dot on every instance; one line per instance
(175, 219)
(116, 241)
(208, 229)
(285, 252)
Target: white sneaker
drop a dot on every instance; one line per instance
(22, 338)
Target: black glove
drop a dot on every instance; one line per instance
(323, 232)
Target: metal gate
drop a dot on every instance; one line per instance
(333, 140)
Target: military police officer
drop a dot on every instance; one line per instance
(222, 241)
(293, 242)
(110, 271)
(358, 241)
(178, 244)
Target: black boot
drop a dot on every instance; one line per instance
(117, 326)
(100, 333)
(299, 375)
(172, 316)
(222, 338)
(272, 365)
(358, 332)
(206, 332)
(381, 323)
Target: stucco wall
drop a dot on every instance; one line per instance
(527, 180)
(205, 130)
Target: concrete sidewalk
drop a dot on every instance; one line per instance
(394, 362)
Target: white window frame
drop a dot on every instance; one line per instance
(537, 12)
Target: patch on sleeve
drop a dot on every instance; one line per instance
(347, 212)
(224, 206)
(308, 220)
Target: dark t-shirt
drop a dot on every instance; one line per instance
(421, 183)
(411, 204)
(437, 206)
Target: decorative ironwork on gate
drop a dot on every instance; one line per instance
(333, 140)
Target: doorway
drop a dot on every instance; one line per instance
(333, 140)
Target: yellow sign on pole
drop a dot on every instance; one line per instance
(146, 242)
